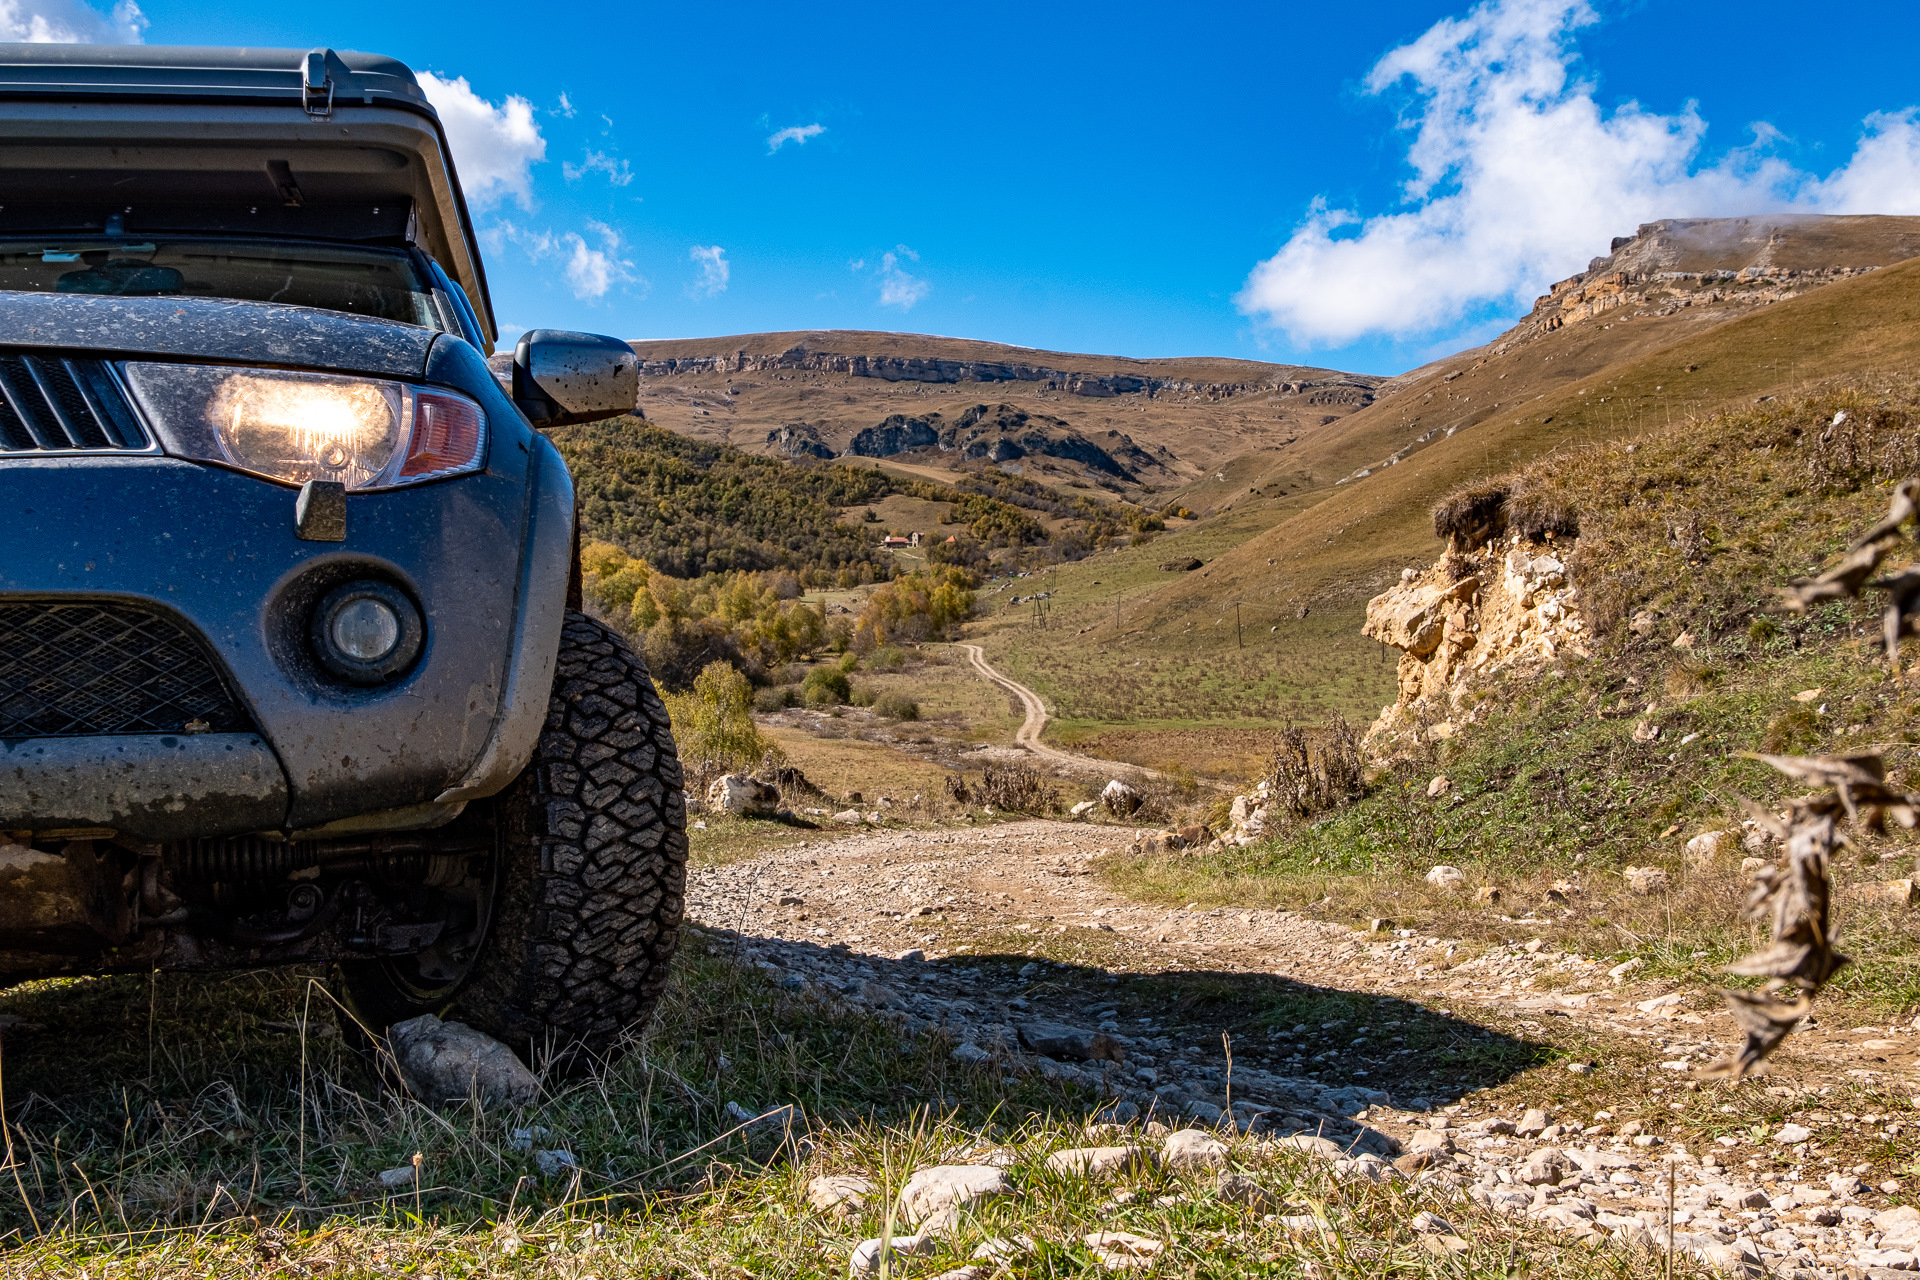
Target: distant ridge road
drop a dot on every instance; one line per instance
(1035, 723)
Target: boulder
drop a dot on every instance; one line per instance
(1445, 877)
(742, 796)
(1084, 808)
(450, 1062)
(1120, 799)
(1180, 566)
(1412, 617)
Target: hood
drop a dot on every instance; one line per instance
(216, 329)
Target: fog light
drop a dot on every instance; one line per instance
(366, 633)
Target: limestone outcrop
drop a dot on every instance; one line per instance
(1509, 607)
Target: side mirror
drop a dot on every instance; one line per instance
(561, 377)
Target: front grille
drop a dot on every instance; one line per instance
(68, 670)
(50, 403)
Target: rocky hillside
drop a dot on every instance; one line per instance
(952, 405)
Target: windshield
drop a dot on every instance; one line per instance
(365, 282)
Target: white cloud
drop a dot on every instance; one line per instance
(617, 171)
(897, 288)
(70, 22)
(565, 110)
(494, 147)
(590, 272)
(1520, 176)
(714, 271)
(799, 134)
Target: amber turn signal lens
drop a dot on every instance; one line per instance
(447, 435)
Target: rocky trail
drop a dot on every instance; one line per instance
(1491, 1071)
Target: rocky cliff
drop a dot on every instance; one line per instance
(1349, 390)
(1504, 608)
(1002, 433)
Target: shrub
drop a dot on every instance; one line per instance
(777, 698)
(1306, 782)
(713, 725)
(1017, 789)
(826, 685)
(896, 706)
(862, 695)
(886, 658)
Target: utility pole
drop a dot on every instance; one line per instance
(1236, 625)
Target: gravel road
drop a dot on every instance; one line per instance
(998, 937)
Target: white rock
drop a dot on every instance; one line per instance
(1440, 785)
(1100, 1162)
(552, 1163)
(852, 818)
(444, 1062)
(1626, 969)
(1122, 1250)
(1791, 1134)
(1193, 1149)
(1084, 808)
(839, 1192)
(1708, 847)
(742, 796)
(1445, 877)
(949, 1187)
(1647, 880)
(1120, 799)
(866, 1255)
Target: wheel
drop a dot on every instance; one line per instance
(589, 876)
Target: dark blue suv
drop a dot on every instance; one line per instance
(292, 663)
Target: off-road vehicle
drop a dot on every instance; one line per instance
(292, 663)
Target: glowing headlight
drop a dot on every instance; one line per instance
(295, 427)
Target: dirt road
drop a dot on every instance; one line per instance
(1035, 724)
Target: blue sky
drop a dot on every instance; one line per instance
(1361, 186)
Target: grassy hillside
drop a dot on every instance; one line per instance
(1695, 527)
(1277, 550)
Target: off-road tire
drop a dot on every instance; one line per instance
(591, 884)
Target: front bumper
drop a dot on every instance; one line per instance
(160, 786)
(485, 556)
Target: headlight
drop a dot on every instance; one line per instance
(364, 432)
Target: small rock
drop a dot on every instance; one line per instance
(552, 1163)
(1430, 1224)
(394, 1179)
(1440, 785)
(1236, 1188)
(1084, 808)
(1645, 731)
(1646, 880)
(949, 1187)
(971, 1054)
(1791, 1134)
(1122, 1250)
(1626, 969)
(792, 900)
(1445, 877)
(1708, 847)
(1100, 1162)
(866, 1255)
(1381, 925)
(1580, 1068)
(1533, 1123)
(1545, 1167)
(1057, 1041)
(1193, 1149)
(1313, 1145)
(450, 1062)
(1002, 1249)
(886, 997)
(839, 1193)
(910, 955)
(1487, 895)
